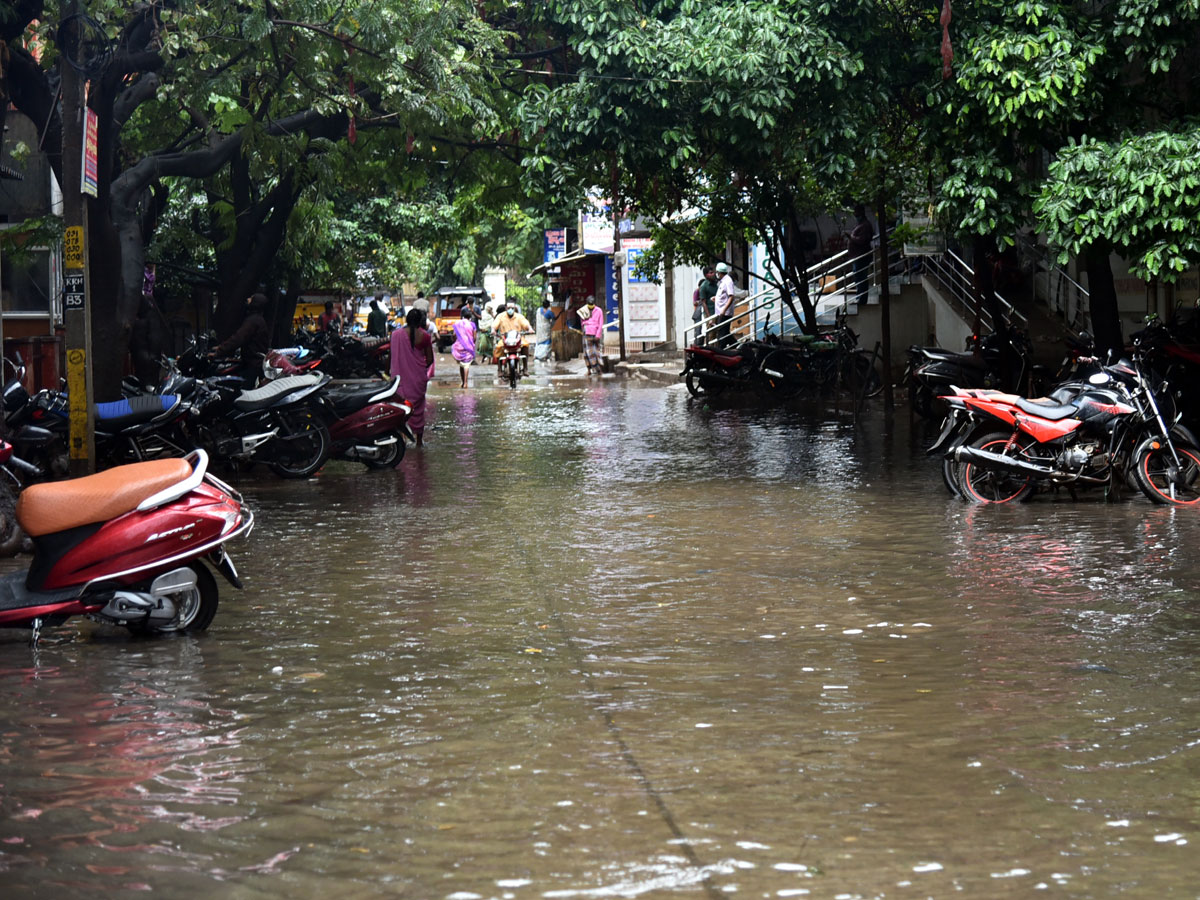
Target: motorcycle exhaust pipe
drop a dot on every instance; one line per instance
(718, 376)
(986, 458)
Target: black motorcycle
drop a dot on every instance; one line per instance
(279, 423)
(998, 361)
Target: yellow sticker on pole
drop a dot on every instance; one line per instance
(73, 247)
(77, 392)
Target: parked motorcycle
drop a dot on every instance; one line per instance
(127, 546)
(33, 426)
(1113, 428)
(279, 423)
(709, 371)
(369, 423)
(998, 361)
(132, 429)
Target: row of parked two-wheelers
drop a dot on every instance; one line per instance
(1108, 426)
(139, 544)
(784, 367)
(294, 422)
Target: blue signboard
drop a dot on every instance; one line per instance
(555, 245)
(631, 259)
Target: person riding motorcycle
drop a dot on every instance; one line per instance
(511, 320)
(253, 338)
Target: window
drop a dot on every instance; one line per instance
(25, 283)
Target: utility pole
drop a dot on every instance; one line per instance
(77, 316)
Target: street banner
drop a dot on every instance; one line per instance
(89, 180)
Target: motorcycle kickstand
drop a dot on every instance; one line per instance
(35, 631)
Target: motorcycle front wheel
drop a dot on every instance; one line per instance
(984, 485)
(301, 447)
(1161, 480)
(781, 374)
(514, 373)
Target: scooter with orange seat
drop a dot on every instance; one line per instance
(135, 545)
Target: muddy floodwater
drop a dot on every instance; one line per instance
(602, 641)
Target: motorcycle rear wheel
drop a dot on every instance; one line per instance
(196, 609)
(390, 457)
(301, 447)
(981, 485)
(1154, 470)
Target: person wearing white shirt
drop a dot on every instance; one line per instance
(727, 294)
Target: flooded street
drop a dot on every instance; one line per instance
(606, 641)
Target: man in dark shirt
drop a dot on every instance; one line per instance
(858, 246)
(253, 338)
(377, 318)
(707, 296)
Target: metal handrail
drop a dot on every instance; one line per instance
(1053, 296)
(833, 275)
(958, 279)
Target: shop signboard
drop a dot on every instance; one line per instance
(596, 227)
(555, 245)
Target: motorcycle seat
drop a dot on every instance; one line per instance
(1046, 409)
(713, 351)
(937, 354)
(121, 414)
(261, 398)
(349, 399)
(59, 505)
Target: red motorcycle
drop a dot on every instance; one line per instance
(1118, 429)
(708, 371)
(512, 360)
(126, 546)
(369, 423)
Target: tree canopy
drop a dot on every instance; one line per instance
(308, 141)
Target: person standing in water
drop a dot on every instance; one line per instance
(412, 359)
(592, 318)
(463, 350)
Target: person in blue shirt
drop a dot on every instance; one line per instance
(544, 323)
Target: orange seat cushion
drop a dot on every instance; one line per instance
(57, 506)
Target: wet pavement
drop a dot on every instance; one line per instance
(599, 639)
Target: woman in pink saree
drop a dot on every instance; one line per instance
(412, 360)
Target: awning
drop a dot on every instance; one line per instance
(573, 256)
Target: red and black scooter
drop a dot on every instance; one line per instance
(129, 546)
(369, 423)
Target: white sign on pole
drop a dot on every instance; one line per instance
(644, 301)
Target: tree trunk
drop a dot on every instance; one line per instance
(1106, 319)
(885, 301)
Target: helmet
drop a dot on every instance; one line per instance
(722, 268)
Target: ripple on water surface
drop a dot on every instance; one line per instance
(612, 642)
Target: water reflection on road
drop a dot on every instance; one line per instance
(607, 641)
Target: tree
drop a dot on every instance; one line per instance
(1103, 90)
(250, 100)
(717, 121)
